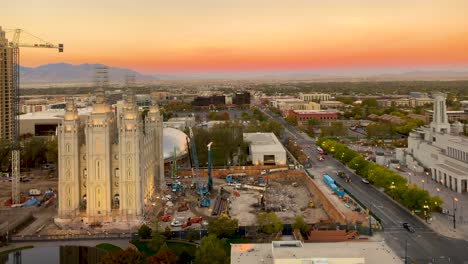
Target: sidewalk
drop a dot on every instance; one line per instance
(443, 223)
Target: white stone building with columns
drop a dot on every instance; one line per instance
(111, 165)
(440, 148)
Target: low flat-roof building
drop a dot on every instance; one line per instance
(453, 116)
(303, 116)
(265, 149)
(285, 107)
(295, 252)
(315, 97)
(181, 123)
(331, 104)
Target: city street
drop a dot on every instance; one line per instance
(451, 199)
(423, 246)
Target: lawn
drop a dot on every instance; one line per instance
(108, 247)
(176, 247)
(142, 246)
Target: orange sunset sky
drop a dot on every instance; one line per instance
(179, 36)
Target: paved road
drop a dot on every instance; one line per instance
(423, 246)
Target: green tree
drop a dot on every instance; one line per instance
(336, 129)
(185, 258)
(269, 223)
(223, 227)
(123, 257)
(300, 224)
(313, 122)
(292, 120)
(33, 152)
(191, 236)
(167, 233)
(157, 241)
(162, 257)
(369, 102)
(144, 232)
(245, 116)
(212, 249)
(345, 100)
(51, 148)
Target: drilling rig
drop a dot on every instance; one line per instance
(15, 44)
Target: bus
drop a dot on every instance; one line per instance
(320, 151)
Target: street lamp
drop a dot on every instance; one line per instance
(455, 201)
(392, 188)
(409, 177)
(426, 209)
(422, 181)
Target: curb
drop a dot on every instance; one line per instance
(401, 206)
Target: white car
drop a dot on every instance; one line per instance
(365, 181)
(176, 223)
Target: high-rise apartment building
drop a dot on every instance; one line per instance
(6, 85)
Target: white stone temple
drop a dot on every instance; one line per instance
(111, 165)
(440, 148)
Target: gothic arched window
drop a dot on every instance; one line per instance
(98, 169)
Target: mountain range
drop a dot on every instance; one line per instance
(68, 73)
(61, 73)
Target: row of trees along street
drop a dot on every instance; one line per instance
(296, 151)
(396, 186)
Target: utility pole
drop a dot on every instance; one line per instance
(406, 251)
(454, 215)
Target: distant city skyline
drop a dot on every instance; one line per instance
(243, 37)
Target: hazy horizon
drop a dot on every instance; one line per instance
(210, 37)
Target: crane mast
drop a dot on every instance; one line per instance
(15, 152)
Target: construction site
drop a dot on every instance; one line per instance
(190, 198)
(193, 197)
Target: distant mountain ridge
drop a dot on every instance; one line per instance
(69, 73)
(427, 75)
(61, 73)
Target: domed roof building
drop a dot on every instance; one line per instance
(174, 138)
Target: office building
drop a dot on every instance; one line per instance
(6, 86)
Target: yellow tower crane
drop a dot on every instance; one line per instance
(15, 44)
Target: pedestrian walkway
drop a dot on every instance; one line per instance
(443, 223)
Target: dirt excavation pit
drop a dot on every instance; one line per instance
(287, 199)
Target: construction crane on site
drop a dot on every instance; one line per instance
(210, 179)
(174, 164)
(15, 44)
(202, 191)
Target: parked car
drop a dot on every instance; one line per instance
(176, 223)
(186, 224)
(165, 218)
(408, 227)
(195, 219)
(365, 181)
(24, 179)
